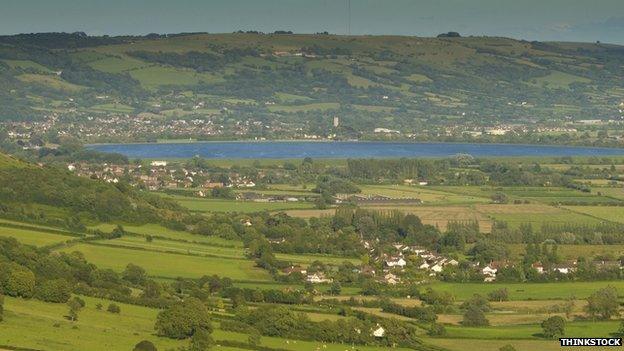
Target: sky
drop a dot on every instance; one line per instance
(566, 20)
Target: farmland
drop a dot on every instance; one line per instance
(180, 265)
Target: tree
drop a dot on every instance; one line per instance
(499, 295)
(113, 308)
(335, 288)
(21, 282)
(55, 290)
(182, 319)
(553, 326)
(201, 340)
(437, 329)
(134, 274)
(474, 317)
(603, 304)
(144, 345)
(75, 305)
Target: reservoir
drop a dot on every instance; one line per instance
(342, 149)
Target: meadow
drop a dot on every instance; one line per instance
(212, 205)
(527, 291)
(178, 265)
(33, 237)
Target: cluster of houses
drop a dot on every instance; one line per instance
(159, 175)
(490, 270)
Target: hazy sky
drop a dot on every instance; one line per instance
(570, 20)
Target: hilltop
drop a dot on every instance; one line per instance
(244, 81)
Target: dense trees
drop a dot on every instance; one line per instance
(183, 319)
(603, 304)
(553, 327)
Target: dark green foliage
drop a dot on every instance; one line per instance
(553, 327)
(436, 329)
(18, 281)
(134, 274)
(201, 340)
(113, 308)
(1, 307)
(54, 290)
(75, 305)
(145, 345)
(603, 304)
(183, 319)
(474, 317)
(498, 295)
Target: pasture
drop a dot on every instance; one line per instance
(609, 213)
(33, 237)
(212, 205)
(535, 214)
(156, 230)
(176, 247)
(178, 265)
(528, 291)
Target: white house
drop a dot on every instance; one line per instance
(396, 262)
(158, 163)
(391, 279)
(379, 332)
(318, 278)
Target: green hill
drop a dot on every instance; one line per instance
(402, 81)
(55, 196)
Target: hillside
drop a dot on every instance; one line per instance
(245, 80)
(56, 196)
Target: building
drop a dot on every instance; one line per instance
(379, 332)
(396, 262)
(336, 122)
(318, 278)
(158, 164)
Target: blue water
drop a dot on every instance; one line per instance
(301, 149)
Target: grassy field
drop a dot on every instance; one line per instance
(176, 247)
(427, 195)
(536, 214)
(31, 324)
(33, 237)
(609, 213)
(160, 231)
(211, 205)
(574, 251)
(178, 265)
(528, 291)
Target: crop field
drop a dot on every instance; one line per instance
(428, 196)
(441, 215)
(178, 265)
(33, 237)
(528, 291)
(210, 205)
(533, 331)
(536, 214)
(323, 106)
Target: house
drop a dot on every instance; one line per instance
(247, 222)
(391, 279)
(317, 278)
(565, 268)
(424, 265)
(379, 332)
(396, 262)
(367, 270)
(294, 269)
(438, 267)
(158, 164)
(213, 185)
(538, 267)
